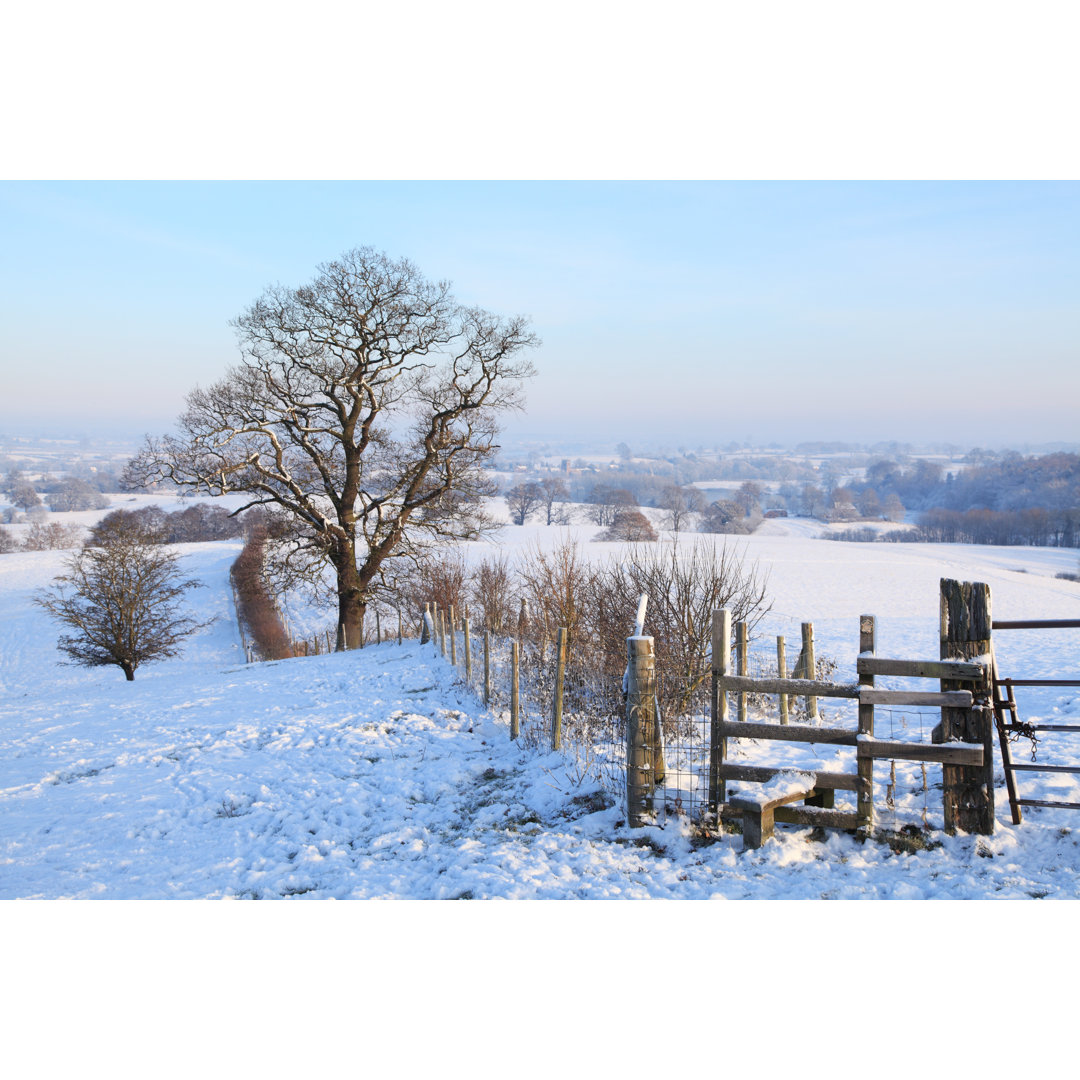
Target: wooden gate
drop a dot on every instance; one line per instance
(1007, 719)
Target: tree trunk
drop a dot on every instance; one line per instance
(352, 602)
(129, 671)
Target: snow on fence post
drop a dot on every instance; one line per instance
(515, 701)
(427, 626)
(721, 661)
(865, 794)
(557, 703)
(487, 667)
(781, 673)
(641, 735)
(966, 635)
(742, 647)
(468, 654)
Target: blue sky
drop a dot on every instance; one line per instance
(670, 312)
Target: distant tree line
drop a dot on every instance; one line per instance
(1035, 527)
(197, 523)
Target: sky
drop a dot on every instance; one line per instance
(695, 312)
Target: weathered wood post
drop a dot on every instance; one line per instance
(399, 626)
(640, 729)
(468, 654)
(487, 668)
(721, 660)
(557, 703)
(453, 638)
(810, 666)
(515, 701)
(742, 657)
(426, 625)
(378, 628)
(781, 673)
(442, 632)
(966, 635)
(864, 808)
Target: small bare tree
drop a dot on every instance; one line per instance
(554, 491)
(120, 601)
(493, 593)
(523, 500)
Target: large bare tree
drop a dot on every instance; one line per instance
(363, 407)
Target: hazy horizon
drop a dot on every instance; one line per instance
(695, 312)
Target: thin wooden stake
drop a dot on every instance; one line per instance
(742, 657)
(557, 704)
(865, 797)
(378, 628)
(453, 638)
(515, 728)
(468, 654)
(721, 662)
(781, 671)
(811, 667)
(487, 668)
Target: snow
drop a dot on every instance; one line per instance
(378, 774)
(786, 782)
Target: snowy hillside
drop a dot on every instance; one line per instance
(377, 774)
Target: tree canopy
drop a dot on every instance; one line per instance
(363, 408)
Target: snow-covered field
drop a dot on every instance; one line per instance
(377, 774)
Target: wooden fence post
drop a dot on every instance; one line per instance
(378, 628)
(742, 647)
(442, 632)
(468, 655)
(453, 638)
(399, 627)
(487, 668)
(966, 635)
(865, 793)
(515, 701)
(425, 628)
(721, 659)
(781, 673)
(810, 667)
(557, 703)
(640, 729)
